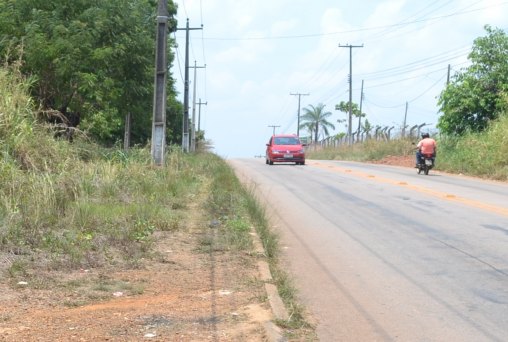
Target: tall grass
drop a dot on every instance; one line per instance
(16, 107)
(478, 154)
(79, 205)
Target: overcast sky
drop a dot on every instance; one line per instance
(258, 52)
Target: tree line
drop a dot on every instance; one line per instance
(91, 63)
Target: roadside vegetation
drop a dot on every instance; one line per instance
(79, 205)
(472, 136)
(73, 206)
(480, 154)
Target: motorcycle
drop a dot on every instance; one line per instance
(426, 164)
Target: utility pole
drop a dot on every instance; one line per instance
(360, 116)
(273, 128)
(404, 124)
(199, 116)
(185, 128)
(299, 97)
(193, 127)
(159, 107)
(127, 131)
(350, 88)
(448, 75)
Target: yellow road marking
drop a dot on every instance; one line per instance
(450, 197)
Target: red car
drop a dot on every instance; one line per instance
(285, 148)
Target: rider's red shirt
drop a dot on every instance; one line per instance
(427, 146)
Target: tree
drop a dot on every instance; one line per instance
(90, 58)
(316, 118)
(367, 127)
(474, 97)
(309, 126)
(344, 107)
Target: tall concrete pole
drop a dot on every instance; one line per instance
(199, 113)
(185, 128)
(360, 116)
(298, 124)
(199, 120)
(404, 123)
(349, 133)
(159, 109)
(185, 125)
(127, 131)
(193, 123)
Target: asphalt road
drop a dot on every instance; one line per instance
(379, 253)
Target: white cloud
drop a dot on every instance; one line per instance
(386, 13)
(283, 27)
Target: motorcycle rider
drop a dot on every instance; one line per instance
(426, 146)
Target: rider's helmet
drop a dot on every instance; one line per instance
(425, 135)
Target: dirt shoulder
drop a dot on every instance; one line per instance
(406, 161)
(190, 291)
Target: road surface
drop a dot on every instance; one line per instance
(379, 253)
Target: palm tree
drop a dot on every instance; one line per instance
(315, 117)
(310, 129)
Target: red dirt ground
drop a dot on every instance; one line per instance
(184, 295)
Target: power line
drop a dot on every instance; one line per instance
(424, 63)
(335, 33)
(404, 21)
(177, 51)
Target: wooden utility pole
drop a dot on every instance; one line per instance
(159, 107)
(350, 141)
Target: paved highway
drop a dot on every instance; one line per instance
(379, 253)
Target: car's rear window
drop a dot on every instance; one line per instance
(286, 141)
